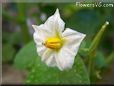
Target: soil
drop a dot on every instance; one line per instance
(11, 75)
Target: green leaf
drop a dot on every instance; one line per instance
(42, 74)
(26, 56)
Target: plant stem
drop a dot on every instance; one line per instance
(97, 38)
(110, 58)
(92, 49)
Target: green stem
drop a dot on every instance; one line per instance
(93, 47)
(97, 38)
(110, 58)
(91, 66)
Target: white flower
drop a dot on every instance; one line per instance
(56, 46)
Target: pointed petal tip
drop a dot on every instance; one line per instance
(33, 26)
(60, 68)
(57, 11)
(84, 35)
(107, 22)
(63, 69)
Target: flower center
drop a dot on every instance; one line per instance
(53, 43)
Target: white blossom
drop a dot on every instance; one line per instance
(56, 45)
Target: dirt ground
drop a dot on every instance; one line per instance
(11, 75)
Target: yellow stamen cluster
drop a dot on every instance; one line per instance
(53, 43)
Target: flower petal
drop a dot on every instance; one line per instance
(66, 55)
(42, 32)
(49, 58)
(65, 59)
(73, 39)
(38, 38)
(55, 23)
(46, 54)
(41, 50)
